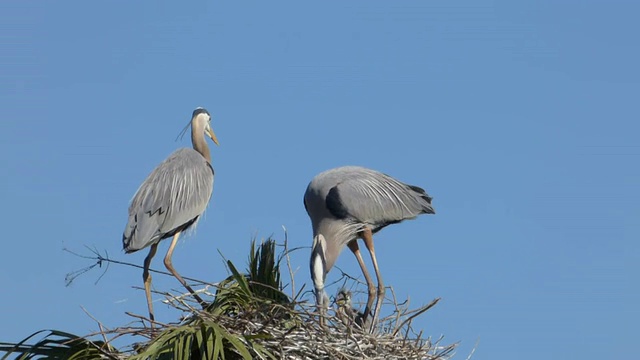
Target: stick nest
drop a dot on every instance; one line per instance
(250, 317)
(250, 327)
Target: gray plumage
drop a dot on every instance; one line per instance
(171, 200)
(352, 202)
(342, 201)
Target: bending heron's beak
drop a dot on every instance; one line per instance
(213, 137)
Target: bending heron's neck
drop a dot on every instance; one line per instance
(197, 138)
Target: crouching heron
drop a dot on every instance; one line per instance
(171, 200)
(352, 202)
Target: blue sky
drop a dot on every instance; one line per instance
(519, 118)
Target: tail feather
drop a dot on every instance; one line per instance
(425, 199)
(127, 240)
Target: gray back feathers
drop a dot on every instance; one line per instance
(357, 194)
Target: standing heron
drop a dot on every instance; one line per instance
(171, 200)
(352, 202)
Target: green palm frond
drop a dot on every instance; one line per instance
(261, 285)
(58, 345)
(264, 272)
(203, 339)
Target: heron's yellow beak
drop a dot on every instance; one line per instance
(213, 137)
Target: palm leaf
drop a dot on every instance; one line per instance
(58, 345)
(264, 272)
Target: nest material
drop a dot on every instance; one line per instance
(250, 317)
(291, 331)
(341, 338)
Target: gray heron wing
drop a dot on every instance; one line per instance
(374, 198)
(171, 199)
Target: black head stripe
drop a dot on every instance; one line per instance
(199, 111)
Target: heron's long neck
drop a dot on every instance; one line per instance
(198, 140)
(336, 236)
(333, 251)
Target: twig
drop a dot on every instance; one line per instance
(144, 318)
(286, 252)
(102, 332)
(417, 313)
(100, 259)
(474, 349)
(395, 301)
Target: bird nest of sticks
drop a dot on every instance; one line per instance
(268, 330)
(251, 317)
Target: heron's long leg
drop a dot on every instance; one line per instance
(146, 277)
(367, 236)
(353, 246)
(169, 266)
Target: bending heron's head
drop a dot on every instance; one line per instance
(318, 266)
(201, 114)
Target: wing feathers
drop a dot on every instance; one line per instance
(372, 197)
(171, 198)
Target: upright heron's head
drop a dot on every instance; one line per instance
(318, 266)
(201, 115)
